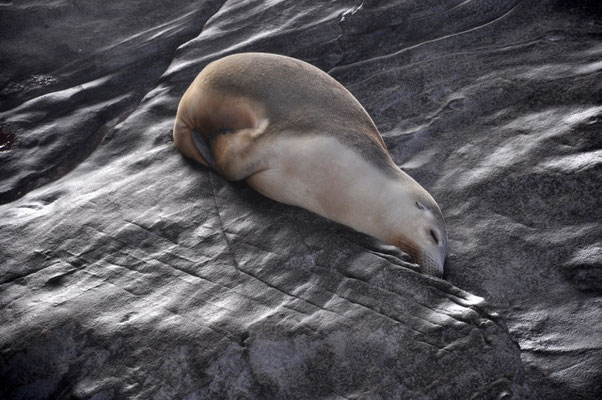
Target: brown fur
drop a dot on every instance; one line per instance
(299, 137)
(227, 94)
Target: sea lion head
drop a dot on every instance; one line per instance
(424, 235)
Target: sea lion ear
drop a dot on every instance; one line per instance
(419, 205)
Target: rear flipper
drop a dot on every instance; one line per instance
(185, 142)
(203, 148)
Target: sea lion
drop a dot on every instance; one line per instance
(296, 135)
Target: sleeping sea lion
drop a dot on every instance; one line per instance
(296, 135)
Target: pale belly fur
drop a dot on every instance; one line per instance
(320, 174)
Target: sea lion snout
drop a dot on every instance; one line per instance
(421, 232)
(432, 264)
(429, 257)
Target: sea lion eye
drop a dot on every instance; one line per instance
(420, 206)
(434, 236)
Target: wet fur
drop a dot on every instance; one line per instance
(299, 137)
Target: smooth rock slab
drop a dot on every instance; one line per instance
(126, 271)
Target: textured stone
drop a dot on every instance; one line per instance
(128, 272)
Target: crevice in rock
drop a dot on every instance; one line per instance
(414, 45)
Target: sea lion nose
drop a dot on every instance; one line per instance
(433, 264)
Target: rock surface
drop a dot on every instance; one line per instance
(126, 271)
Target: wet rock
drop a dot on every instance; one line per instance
(126, 271)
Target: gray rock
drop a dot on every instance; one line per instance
(128, 272)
